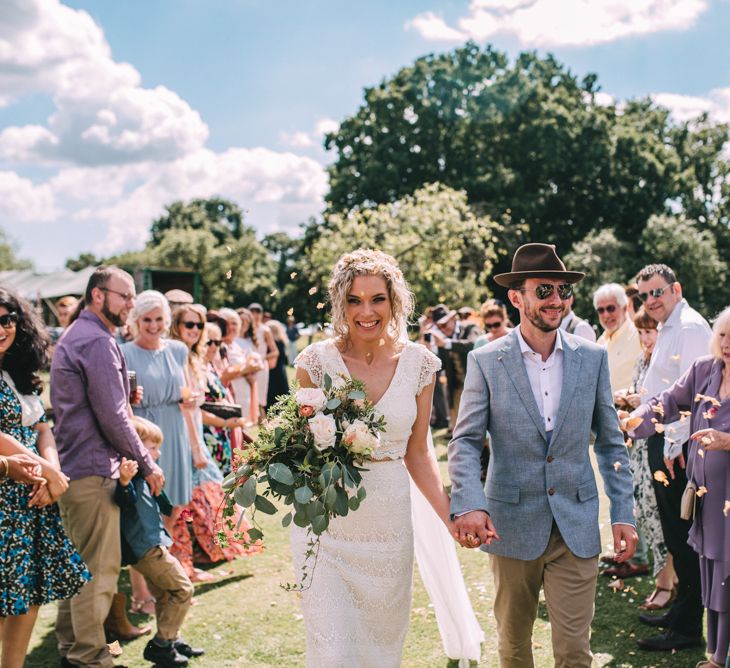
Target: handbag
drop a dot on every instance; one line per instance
(689, 499)
(221, 410)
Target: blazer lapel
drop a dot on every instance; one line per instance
(514, 366)
(571, 373)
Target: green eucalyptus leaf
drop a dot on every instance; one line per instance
(354, 503)
(264, 505)
(333, 403)
(330, 497)
(327, 383)
(319, 524)
(255, 534)
(361, 493)
(356, 394)
(303, 494)
(286, 520)
(315, 508)
(341, 507)
(282, 473)
(245, 495)
(301, 520)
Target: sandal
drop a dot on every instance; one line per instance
(708, 664)
(146, 606)
(659, 599)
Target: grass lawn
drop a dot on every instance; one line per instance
(246, 620)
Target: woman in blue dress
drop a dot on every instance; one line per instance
(38, 563)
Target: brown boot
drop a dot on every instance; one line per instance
(117, 626)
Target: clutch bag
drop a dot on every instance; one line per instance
(224, 411)
(689, 499)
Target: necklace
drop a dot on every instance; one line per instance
(369, 357)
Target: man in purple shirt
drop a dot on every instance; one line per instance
(90, 397)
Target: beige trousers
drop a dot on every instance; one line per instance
(91, 520)
(570, 588)
(170, 586)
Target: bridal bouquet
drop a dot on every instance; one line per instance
(308, 455)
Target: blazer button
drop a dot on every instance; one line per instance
(551, 491)
(550, 459)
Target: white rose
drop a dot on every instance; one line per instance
(360, 439)
(311, 396)
(324, 431)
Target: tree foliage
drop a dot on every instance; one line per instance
(8, 255)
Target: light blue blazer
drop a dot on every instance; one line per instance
(530, 481)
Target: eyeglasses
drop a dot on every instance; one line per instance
(126, 296)
(492, 325)
(546, 290)
(215, 342)
(189, 324)
(656, 292)
(605, 309)
(9, 320)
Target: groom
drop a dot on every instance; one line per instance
(540, 392)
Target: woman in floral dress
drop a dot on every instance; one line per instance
(38, 563)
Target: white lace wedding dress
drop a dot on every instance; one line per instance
(357, 608)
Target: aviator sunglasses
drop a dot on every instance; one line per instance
(9, 320)
(492, 325)
(189, 324)
(545, 290)
(605, 309)
(656, 292)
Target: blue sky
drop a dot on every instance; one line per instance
(109, 110)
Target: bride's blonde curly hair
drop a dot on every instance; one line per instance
(368, 262)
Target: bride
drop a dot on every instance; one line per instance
(357, 608)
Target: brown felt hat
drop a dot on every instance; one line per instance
(537, 261)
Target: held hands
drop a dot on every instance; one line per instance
(25, 469)
(156, 480)
(625, 539)
(711, 439)
(474, 529)
(127, 470)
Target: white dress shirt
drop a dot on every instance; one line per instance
(582, 329)
(683, 338)
(546, 378)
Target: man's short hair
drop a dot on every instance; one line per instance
(653, 269)
(100, 277)
(610, 291)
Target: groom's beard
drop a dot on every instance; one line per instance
(535, 317)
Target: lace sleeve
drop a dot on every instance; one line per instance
(429, 365)
(310, 361)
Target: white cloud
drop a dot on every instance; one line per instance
(551, 23)
(22, 202)
(311, 139)
(688, 107)
(296, 139)
(103, 115)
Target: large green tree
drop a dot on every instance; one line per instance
(445, 250)
(525, 139)
(9, 256)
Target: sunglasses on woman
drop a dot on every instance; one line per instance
(605, 309)
(492, 325)
(656, 292)
(545, 290)
(189, 324)
(9, 320)
(215, 342)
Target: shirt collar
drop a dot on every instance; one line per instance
(525, 347)
(619, 332)
(674, 316)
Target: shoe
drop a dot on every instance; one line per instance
(117, 626)
(668, 641)
(164, 657)
(708, 664)
(626, 570)
(659, 599)
(186, 650)
(657, 621)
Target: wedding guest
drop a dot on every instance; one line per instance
(647, 513)
(145, 544)
(243, 361)
(90, 397)
(702, 394)
(176, 297)
(39, 564)
(683, 337)
(292, 335)
(494, 317)
(278, 382)
(188, 323)
(572, 324)
(266, 348)
(632, 295)
(455, 340)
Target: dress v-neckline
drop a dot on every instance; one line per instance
(392, 378)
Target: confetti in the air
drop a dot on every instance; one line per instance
(706, 440)
(381, 342)
(290, 311)
(674, 358)
(229, 273)
(312, 291)
(701, 491)
(700, 452)
(726, 509)
(320, 305)
(658, 409)
(629, 424)
(293, 275)
(273, 294)
(229, 249)
(616, 466)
